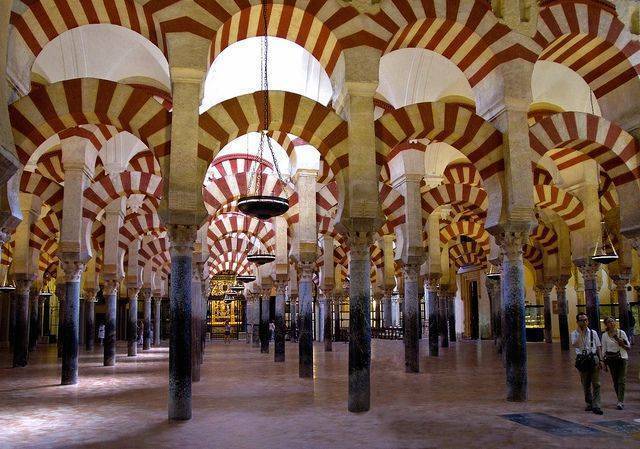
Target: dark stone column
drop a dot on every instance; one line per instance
(336, 305)
(451, 311)
(254, 301)
(305, 342)
(196, 283)
(60, 293)
(589, 270)
(90, 320)
(110, 292)
(513, 311)
(34, 309)
(132, 322)
(182, 241)
(73, 269)
(359, 325)
(278, 343)
(563, 320)
(443, 320)
(328, 324)
(5, 312)
(21, 327)
(264, 322)
(156, 320)
(41, 312)
(146, 338)
(546, 298)
(411, 318)
(386, 310)
(494, 291)
(432, 311)
(621, 281)
(81, 322)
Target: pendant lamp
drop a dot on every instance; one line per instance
(604, 251)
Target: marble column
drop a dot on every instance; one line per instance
(443, 320)
(81, 322)
(563, 320)
(621, 281)
(34, 308)
(432, 312)
(305, 342)
(146, 339)
(156, 320)
(494, 292)
(293, 313)
(196, 291)
(5, 311)
(110, 292)
(278, 341)
(337, 299)
(411, 318)
(513, 312)
(546, 299)
(41, 312)
(90, 321)
(73, 269)
(589, 271)
(328, 324)
(264, 322)
(451, 312)
(387, 315)
(182, 242)
(360, 325)
(21, 327)
(132, 322)
(255, 319)
(60, 293)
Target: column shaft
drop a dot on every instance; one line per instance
(34, 329)
(264, 324)
(111, 300)
(451, 310)
(563, 320)
(411, 319)
(434, 327)
(443, 320)
(81, 322)
(132, 325)
(21, 327)
(589, 272)
(305, 342)
(71, 322)
(156, 320)
(90, 326)
(328, 326)
(546, 297)
(359, 327)
(5, 311)
(278, 344)
(147, 323)
(623, 304)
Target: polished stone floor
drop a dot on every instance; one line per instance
(245, 400)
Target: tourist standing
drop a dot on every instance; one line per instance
(101, 334)
(615, 345)
(227, 333)
(588, 361)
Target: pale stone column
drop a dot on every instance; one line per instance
(305, 342)
(21, 327)
(132, 321)
(278, 340)
(621, 280)
(110, 293)
(589, 271)
(90, 319)
(387, 313)
(513, 312)
(546, 298)
(563, 321)
(432, 284)
(73, 269)
(146, 298)
(359, 324)
(157, 301)
(182, 240)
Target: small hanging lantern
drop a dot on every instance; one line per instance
(245, 278)
(604, 251)
(254, 203)
(237, 288)
(493, 272)
(261, 258)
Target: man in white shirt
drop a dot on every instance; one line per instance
(585, 339)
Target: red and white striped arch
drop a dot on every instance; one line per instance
(474, 137)
(567, 206)
(151, 248)
(44, 229)
(534, 256)
(49, 192)
(232, 223)
(66, 105)
(545, 237)
(137, 225)
(230, 188)
(588, 37)
(327, 199)
(471, 229)
(232, 244)
(145, 162)
(238, 163)
(462, 173)
(392, 204)
(290, 113)
(235, 263)
(467, 253)
(467, 198)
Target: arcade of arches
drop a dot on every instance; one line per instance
(421, 145)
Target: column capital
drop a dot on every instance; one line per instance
(588, 270)
(73, 268)
(145, 294)
(110, 286)
(182, 238)
(90, 295)
(510, 243)
(306, 270)
(23, 285)
(432, 281)
(281, 286)
(621, 280)
(359, 243)
(561, 282)
(411, 272)
(132, 291)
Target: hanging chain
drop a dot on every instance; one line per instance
(266, 112)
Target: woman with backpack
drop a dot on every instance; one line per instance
(615, 345)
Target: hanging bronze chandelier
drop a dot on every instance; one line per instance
(245, 278)
(604, 251)
(493, 272)
(255, 204)
(261, 258)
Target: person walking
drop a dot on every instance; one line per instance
(272, 330)
(101, 334)
(615, 345)
(227, 332)
(588, 349)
